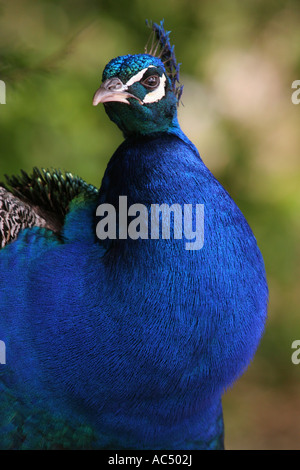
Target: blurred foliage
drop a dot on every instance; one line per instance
(239, 60)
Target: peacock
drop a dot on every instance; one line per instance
(115, 337)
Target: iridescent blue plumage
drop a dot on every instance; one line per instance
(126, 66)
(127, 343)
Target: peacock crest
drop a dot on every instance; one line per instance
(158, 45)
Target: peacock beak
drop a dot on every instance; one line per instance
(112, 89)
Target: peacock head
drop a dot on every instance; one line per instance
(140, 92)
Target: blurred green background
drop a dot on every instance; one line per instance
(239, 60)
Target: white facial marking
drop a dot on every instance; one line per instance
(158, 93)
(154, 95)
(137, 77)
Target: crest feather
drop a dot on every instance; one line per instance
(159, 46)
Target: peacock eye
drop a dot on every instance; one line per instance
(151, 82)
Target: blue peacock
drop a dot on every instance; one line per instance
(125, 343)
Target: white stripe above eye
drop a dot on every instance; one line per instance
(137, 77)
